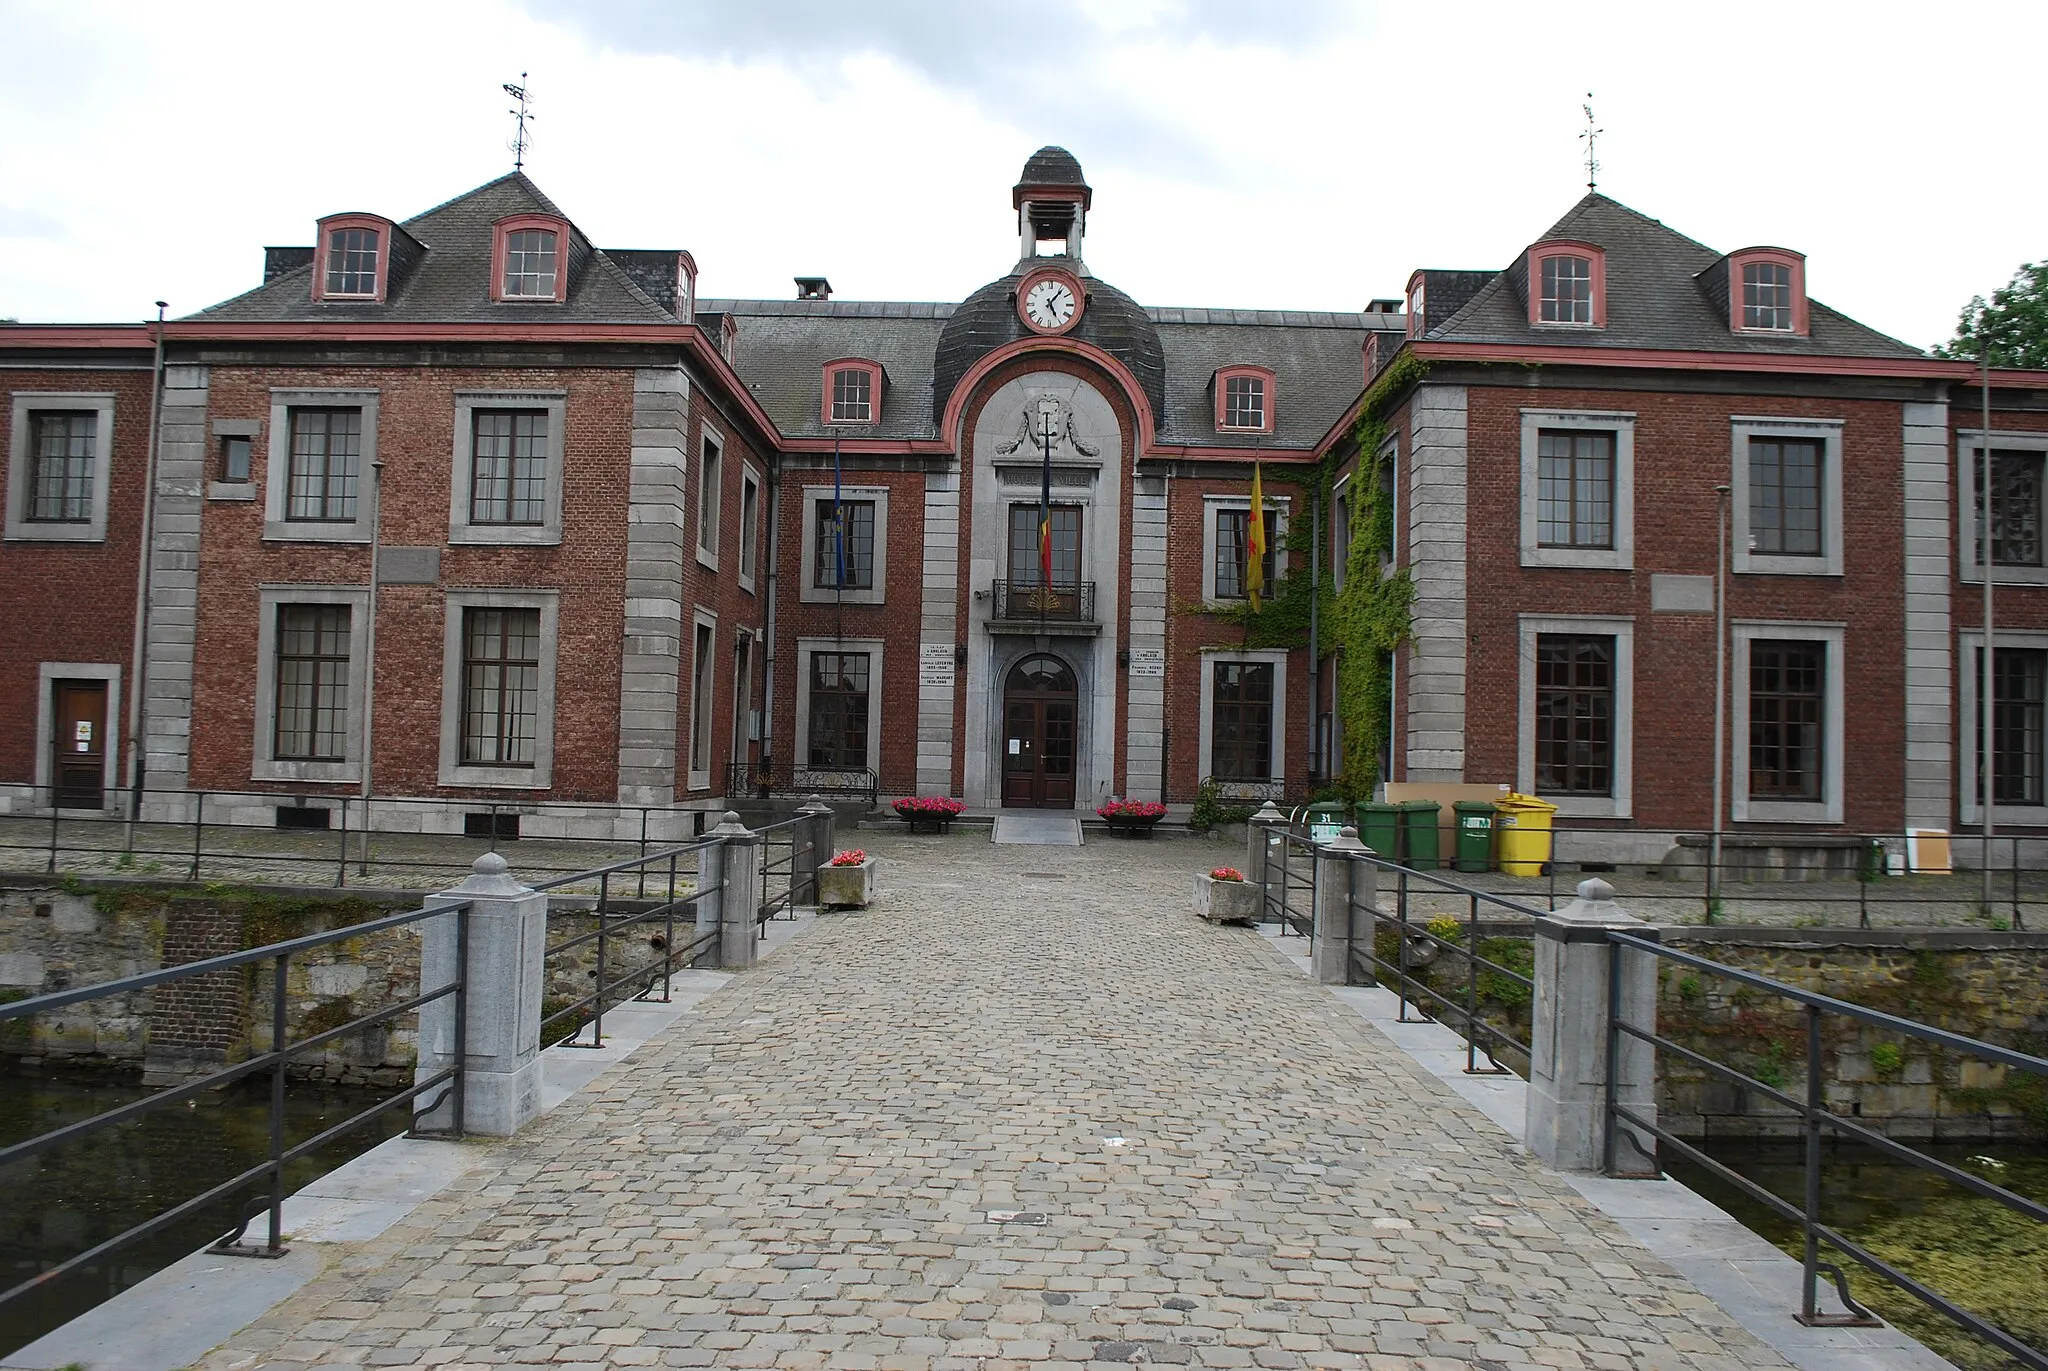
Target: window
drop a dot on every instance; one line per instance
(1340, 537)
(63, 457)
(1787, 714)
(1244, 398)
(1767, 296)
(1417, 298)
(1567, 291)
(234, 458)
(1233, 549)
(838, 710)
(2019, 726)
(508, 466)
(709, 487)
(1025, 562)
(352, 263)
(500, 686)
(1574, 714)
(1241, 721)
(1575, 488)
(852, 395)
(312, 680)
(750, 526)
(326, 445)
(844, 545)
(58, 465)
(1785, 496)
(530, 264)
(701, 705)
(2016, 489)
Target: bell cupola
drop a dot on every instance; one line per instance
(1052, 202)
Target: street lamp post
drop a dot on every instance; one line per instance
(1720, 694)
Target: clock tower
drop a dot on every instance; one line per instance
(1052, 202)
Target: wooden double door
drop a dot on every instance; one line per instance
(78, 743)
(1039, 704)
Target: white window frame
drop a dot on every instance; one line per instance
(801, 742)
(1212, 505)
(703, 696)
(1277, 658)
(453, 771)
(1967, 463)
(808, 589)
(710, 494)
(21, 465)
(1341, 515)
(266, 765)
(47, 676)
(1969, 733)
(1620, 802)
(750, 525)
(1622, 501)
(461, 530)
(277, 464)
(1828, 808)
(1742, 428)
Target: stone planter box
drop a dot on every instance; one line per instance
(1226, 902)
(847, 887)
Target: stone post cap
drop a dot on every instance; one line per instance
(1346, 842)
(815, 805)
(729, 826)
(1268, 814)
(1594, 908)
(490, 876)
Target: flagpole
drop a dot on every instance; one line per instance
(1045, 519)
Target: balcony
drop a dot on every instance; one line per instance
(1028, 607)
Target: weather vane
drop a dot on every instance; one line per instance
(1592, 132)
(520, 139)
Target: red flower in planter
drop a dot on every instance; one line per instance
(851, 858)
(1132, 809)
(1226, 873)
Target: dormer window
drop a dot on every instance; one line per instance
(353, 258)
(853, 391)
(686, 288)
(1244, 399)
(1417, 299)
(530, 260)
(1568, 285)
(1767, 291)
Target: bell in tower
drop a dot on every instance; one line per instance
(1052, 202)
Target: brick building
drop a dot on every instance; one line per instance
(635, 549)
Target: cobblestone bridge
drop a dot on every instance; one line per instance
(1213, 1162)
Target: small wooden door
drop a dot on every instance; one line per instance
(1038, 735)
(79, 741)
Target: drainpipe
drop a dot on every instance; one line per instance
(1720, 692)
(766, 760)
(1987, 696)
(138, 656)
(1315, 659)
(370, 659)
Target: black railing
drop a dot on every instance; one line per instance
(770, 780)
(611, 982)
(784, 882)
(1288, 893)
(269, 1174)
(1817, 1121)
(1069, 602)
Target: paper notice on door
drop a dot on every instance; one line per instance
(1016, 746)
(82, 731)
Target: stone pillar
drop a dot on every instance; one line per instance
(507, 935)
(739, 895)
(1568, 1066)
(813, 849)
(1258, 842)
(1341, 881)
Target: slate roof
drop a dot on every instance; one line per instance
(1051, 166)
(1655, 298)
(451, 283)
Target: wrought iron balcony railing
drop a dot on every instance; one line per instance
(1072, 602)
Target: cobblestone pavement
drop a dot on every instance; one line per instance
(1217, 1166)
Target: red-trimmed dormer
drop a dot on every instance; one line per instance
(1244, 399)
(353, 261)
(1767, 292)
(1567, 285)
(686, 288)
(852, 391)
(530, 259)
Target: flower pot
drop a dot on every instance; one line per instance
(847, 887)
(929, 823)
(1226, 902)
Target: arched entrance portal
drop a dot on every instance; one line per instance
(1038, 734)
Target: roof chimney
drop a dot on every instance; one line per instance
(813, 288)
(1383, 307)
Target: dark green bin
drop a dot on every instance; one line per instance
(1419, 820)
(1475, 834)
(1379, 828)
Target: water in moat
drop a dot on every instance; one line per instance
(1972, 1250)
(69, 1200)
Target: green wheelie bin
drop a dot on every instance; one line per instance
(1379, 828)
(1475, 834)
(1419, 819)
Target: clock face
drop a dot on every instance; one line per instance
(1049, 304)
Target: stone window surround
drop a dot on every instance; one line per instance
(1212, 505)
(703, 696)
(1622, 496)
(1968, 441)
(1619, 802)
(808, 589)
(1742, 561)
(1277, 657)
(805, 647)
(47, 676)
(711, 491)
(1341, 515)
(1968, 642)
(548, 532)
(252, 429)
(21, 465)
(750, 525)
(277, 461)
(1827, 809)
(453, 770)
(265, 764)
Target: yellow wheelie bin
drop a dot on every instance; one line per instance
(1523, 834)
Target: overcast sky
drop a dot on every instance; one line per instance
(1276, 155)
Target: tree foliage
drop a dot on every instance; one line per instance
(2014, 322)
